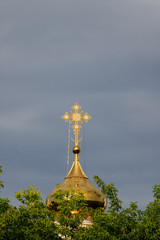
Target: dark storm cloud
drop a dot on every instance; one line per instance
(106, 56)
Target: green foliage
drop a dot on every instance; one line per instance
(151, 221)
(4, 205)
(111, 194)
(130, 223)
(72, 211)
(33, 221)
(1, 182)
(156, 191)
(29, 196)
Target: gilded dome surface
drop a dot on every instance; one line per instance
(77, 179)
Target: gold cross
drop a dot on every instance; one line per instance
(76, 119)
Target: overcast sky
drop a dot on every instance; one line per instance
(103, 54)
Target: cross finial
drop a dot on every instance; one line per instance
(76, 119)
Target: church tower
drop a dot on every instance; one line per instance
(76, 178)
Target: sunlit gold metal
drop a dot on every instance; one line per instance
(76, 119)
(76, 178)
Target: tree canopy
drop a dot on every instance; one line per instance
(33, 220)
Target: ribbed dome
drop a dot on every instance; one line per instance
(77, 179)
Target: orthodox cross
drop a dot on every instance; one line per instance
(76, 119)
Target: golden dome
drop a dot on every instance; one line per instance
(77, 179)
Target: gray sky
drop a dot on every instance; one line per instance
(103, 54)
